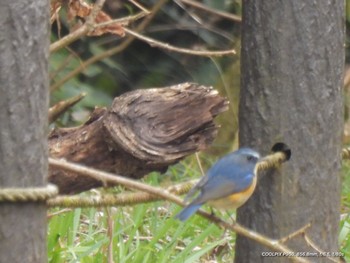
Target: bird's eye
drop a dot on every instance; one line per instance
(251, 158)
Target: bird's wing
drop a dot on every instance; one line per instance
(223, 185)
(197, 187)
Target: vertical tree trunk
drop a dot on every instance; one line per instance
(24, 42)
(292, 66)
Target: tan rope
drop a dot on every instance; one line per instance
(345, 154)
(271, 161)
(122, 199)
(29, 194)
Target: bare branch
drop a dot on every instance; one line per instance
(212, 11)
(155, 43)
(317, 248)
(139, 6)
(300, 231)
(124, 20)
(199, 164)
(110, 231)
(62, 211)
(62, 106)
(65, 41)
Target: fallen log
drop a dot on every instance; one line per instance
(144, 130)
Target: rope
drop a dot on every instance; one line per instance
(122, 199)
(30, 194)
(271, 161)
(345, 154)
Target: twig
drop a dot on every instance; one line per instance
(62, 211)
(199, 164)
(210, 10)
(155, 43)
(294, 234)
(317, 248)
(110, 231)
(189, 12)
(139, 6)
(115, 179)
(191, 27)
(65, 41)
(124, 20)
(62, 106)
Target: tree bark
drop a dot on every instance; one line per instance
(24, 43)
(144, 130)
(292, 66)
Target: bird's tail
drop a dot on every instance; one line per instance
(188, 211)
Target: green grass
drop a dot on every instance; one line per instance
(149, 233)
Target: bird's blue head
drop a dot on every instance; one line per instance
(247, 156)
(245, 159)
(241, 161)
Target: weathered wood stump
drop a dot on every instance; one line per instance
(144, 130)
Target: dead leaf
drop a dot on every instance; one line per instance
(78, 8)
(81, 9)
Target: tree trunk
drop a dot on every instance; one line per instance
(24, 43)
(292, 66)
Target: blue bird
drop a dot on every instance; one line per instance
(228, 184)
